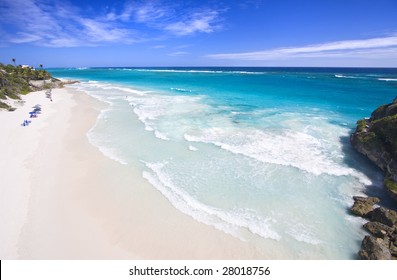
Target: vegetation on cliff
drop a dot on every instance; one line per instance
(19, 80)
(376, 138)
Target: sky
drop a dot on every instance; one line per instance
(139, 33)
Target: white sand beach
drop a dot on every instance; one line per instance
(61, 198)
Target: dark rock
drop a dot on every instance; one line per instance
(391, 241)
(391, 110)
(379, 113)
(376, 138)
(363, 206)
(393, 249)
(378, 229)
(369, 200)
(373, 248)
(384, 216)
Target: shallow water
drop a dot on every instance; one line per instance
(259, 153)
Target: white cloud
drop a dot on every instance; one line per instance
(64, 42)
(175, 19)
(103, 32)
(205, 22)
(25, 38)
(53, 23)
(178, 53)
(158, 47)
(30, 17)
(150, 12)
(374, 47)
(111, 16)
(185, 46)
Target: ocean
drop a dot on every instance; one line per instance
(262, 154)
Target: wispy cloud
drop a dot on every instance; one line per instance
(150, 12)
(104, 32)
(23, 16)
(23, 37)
(60, 25)
(178, 53)
(352, 48)
(176, 20)
(204, 21)
(53, 23)
(158, 47)
(185, 46)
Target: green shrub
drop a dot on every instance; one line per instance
(361, 125)
(390, 185)
(15, 80)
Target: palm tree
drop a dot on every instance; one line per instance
(13, 60)
(41, 66)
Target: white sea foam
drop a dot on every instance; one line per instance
(301, 233)
(93, 82)
(290, 143)
(108, 90)
(126, 90)
(361, 77)
(181, 89)
(388, 79)
(160, 135)
(230, 222)
(192, 148)
(165, 114)
(102, 143)
(286, 147)
(100, 90)
(201, 71)
(345, 77)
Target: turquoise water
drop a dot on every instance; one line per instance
(262, 154)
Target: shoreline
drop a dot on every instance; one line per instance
(75, 203)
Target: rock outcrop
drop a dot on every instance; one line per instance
(376, 138)
(373, 248)
(378, 229)
(363, 206)
(385, 216)
(382, 243)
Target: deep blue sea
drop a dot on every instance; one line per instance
(262, 154)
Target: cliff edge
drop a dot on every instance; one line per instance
(376, 138)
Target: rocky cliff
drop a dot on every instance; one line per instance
(376, 138)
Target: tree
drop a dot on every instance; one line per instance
(41, 66)
(14, 60)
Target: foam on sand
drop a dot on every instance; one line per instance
(228, 222)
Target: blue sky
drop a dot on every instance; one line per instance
(78, 33)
